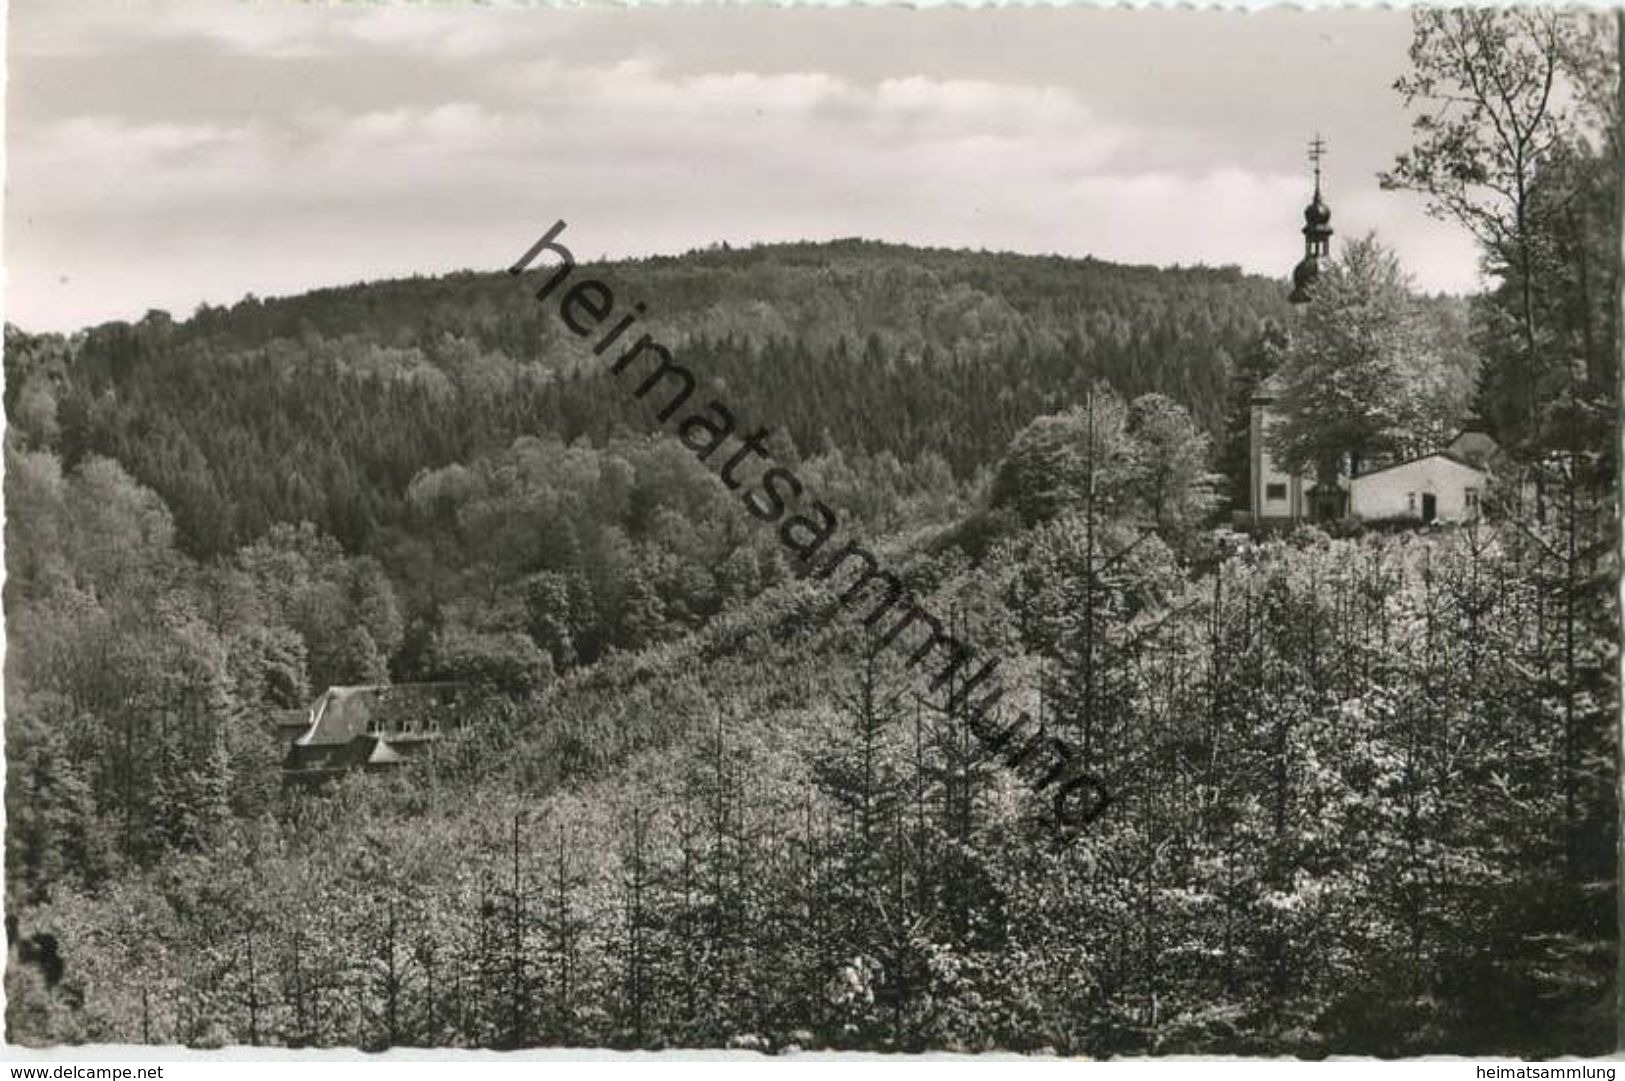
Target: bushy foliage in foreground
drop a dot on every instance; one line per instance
(1362, 803)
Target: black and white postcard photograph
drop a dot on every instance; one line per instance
(542, 532)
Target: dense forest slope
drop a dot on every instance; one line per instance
(854, 347)
(1360, 786)
(423, 424)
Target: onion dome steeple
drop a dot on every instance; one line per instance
(1317, 233)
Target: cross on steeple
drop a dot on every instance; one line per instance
(1317, 231)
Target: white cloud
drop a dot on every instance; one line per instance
(467, 33)
(274, 186)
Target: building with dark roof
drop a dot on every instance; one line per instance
(373, 726)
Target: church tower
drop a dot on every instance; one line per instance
(1317, 233)
(1278, 495)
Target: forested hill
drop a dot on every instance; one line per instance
(972, 303)
(1362, 787)
(854, 346)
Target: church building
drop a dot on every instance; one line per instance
(1444, 485)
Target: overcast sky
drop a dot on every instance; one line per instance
(161, 155)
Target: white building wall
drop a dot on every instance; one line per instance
(1287, 503)
(1398, 492)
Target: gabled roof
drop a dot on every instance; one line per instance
(384, 755)
(1445, 454)
(341, 714)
